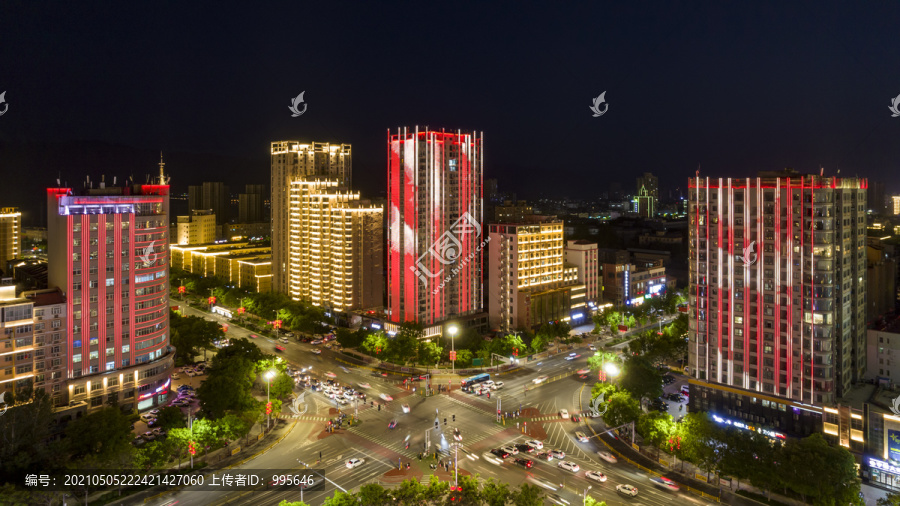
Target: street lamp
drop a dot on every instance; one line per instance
(584, 501)
(611, 369)
(456, 447)
(452, 330)
(269, 376)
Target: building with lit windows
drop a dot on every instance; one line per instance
(777, 296)
(628, 278)
(583, 255)
(50, 344)
(197, 228)
(10, 236)
(16, 342)
(210, 196)
(435, 236)
(243, 264)
(108, 251)
(336, 248)
(292, 161)
(529, 283)
(895, 201)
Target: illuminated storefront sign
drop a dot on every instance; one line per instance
(222, 311)
(893, 444)
(883, 466)
(745, 426)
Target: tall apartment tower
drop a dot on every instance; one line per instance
(210, 196)
(336, 247)
(291, 161)
(10, 236)
(583, 255)
(777, 293)
(435, 217)
(647, 195)
(250, 203)
(108, 251)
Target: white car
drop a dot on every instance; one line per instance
(405, 408)
(609, 457)
(539, 380)
(317, 351)
(569, 465)
(665, 483)
(580, 436)
(596, 476)
(488, 383)
(190, 372)
(592, 348)
(331, 374)
(558, 454)
(534, 443)
(355, 463)
(571, 357)
(386, 397)
(629, 490)
(510, 449)
(564, 413)
(497, 386)
(365, 385)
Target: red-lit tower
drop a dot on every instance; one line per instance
(435, 236)
(777, 296)
(108, 251)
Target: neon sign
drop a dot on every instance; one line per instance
(884, 466)
(742, 425)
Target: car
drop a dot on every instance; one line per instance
(571, 357)
(386, 397)
(331, 374)
(576, 418)
(316, 351)
(254, 336)
(564, 413)
(497, 386)
(316, 342)
(545, 456)
(685, 390)
(160, 431)
(137, 441)
(557, 454)
(279, 347)
(392, 424)
(568, 465)
(328, 345)
(147, 417)
(510, 449)
(190, 373)
(488, 383)
(526, 463)
(665, 483)
(284, 340)
(522, 447)
(668, 379)
(342, 401)
(456, 435)
(675, 397)
(175, 376)
(534, 443)
(355, 463)
(365, 385)
(500, 453)
(581, 436)
(592, 348)
(573, 354)
(405, 408)
(539, 380)
(629, 490)
(609, 457)
(596, 476)
(149, 436)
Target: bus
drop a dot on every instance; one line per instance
(478, 378)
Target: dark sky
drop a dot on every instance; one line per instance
(732, 86)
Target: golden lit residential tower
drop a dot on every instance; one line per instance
(583, 254)
(435, 220)
(293, 160)
(528, 281)
(10, 235)
(197, 228)
(777, 296)
(50, 343)
(895, 200)
(16, 343)
(108, 250)
(335, 247)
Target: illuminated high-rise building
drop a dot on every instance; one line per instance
(777, 296)
(895, 204)
(291, 161)
(10, 236)
(336, 246)
(435, 236)
(108, 251)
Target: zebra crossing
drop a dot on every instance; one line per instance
(307, 418)
(399, 446)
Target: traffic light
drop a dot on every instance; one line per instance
(455, 493)
(436, 424)
(191, 449)
(445, 421)
(268, 408)
(454, 418)
(515, 352)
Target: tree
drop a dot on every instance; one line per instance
(429, 353)
(623, 408)
(892, 499)
(598, 359)
(495, 494)
(170, 417)
(24, 430)
(409, 492)
(292, 503)
(528, 495)
(641, 378)
(700, 439)
(656, 428)
(539, 342)
(374, 494)
(435, 490)
(193, 333)
(590, 501)
(349, 339)
(282, 385)
(470, 493)
(463, 358)
(740, 452)
(102, 435)
(376, 344)
(342, 499)
(814, 469)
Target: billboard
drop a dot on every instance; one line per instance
(893, 445)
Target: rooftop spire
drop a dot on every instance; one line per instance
(162, 164)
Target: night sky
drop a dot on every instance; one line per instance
(733, 87)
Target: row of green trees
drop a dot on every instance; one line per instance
(471, 492)
(638, 316)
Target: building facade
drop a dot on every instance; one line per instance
(108, 253)
(210, 196)
(10, 236)
(242, 264)
(336, 248)
(777, 291)
(583, 255)
(291, 161)
(197, 228)
(628, 279)
(250, 204)
(435, 216)
(50, 344)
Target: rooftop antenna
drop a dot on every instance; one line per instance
(114, 180)
(148, 179)
(821, 171)
(162, 164)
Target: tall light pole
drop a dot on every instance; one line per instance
(452, 330)
(584, 501)
(456, 447)
(269, 376)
